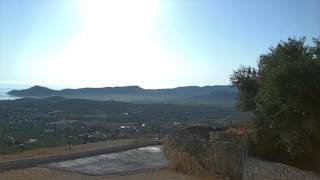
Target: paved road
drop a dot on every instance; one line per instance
(33, 162)
(125, 162)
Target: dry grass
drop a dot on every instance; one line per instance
(183, 162)
(236, 131)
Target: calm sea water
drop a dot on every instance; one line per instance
(4, 88)
(5, 96)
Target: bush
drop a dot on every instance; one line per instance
(182, 161)
(283, 93)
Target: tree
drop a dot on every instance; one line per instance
(285, 99)
(246, 78)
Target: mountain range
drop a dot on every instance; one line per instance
(136, 94)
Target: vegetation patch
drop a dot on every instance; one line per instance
(283, 94)
(182, 161)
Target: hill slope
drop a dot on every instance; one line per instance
(136, 94)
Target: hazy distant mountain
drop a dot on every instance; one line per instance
(219, 96)
(137, 94)
(35, 91)
(106, 90)
(115, 111)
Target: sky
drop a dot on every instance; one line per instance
(150, 43)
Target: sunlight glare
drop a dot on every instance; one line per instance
(117, 45)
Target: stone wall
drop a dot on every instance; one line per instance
(257, 169)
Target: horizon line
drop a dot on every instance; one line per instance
(61, 87)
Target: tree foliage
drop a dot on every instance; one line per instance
(284, 94)
(246, 78)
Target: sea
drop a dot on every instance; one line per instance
(5, 88)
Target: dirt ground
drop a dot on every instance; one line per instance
(49, 174)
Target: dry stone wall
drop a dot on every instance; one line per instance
(256, 169)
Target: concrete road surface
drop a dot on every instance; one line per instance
(125, 162)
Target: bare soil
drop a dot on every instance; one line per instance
(50, 174)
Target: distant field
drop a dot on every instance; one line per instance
(31, 123)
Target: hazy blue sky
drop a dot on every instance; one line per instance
(151, 43)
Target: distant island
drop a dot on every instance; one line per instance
(136, 94)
